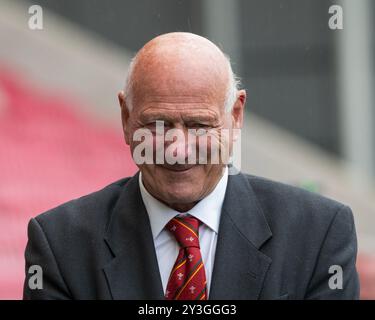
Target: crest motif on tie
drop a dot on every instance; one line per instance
(190, 257)
(180, 275)
(191, 239)
(192, 289)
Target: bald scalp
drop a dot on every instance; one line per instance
(180, 64)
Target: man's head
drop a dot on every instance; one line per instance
(187, 82)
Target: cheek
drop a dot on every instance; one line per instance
(142, 146)
(216, 144)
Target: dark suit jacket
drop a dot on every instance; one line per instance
(274, 242)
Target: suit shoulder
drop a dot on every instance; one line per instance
(293, 202)
(95, 206)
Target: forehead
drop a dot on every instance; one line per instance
(179, 84)
(175, 96)
(175, 78)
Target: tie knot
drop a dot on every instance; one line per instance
(186, 230)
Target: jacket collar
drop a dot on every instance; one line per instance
(133, 273)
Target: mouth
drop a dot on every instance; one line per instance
(178, 167)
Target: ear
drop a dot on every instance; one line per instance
(238, 111)
(124, 115)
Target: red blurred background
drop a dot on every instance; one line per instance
(50, 153)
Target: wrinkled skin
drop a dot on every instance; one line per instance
(181, 79)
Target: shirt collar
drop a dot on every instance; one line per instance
(208, 210)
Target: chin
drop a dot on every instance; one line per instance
(181, 194)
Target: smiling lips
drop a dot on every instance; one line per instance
(178, 167)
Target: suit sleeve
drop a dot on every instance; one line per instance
(338, 251)
(38, 253)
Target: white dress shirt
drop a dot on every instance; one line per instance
(208, 210)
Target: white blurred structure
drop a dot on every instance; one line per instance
(355, 52)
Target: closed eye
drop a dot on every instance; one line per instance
(157, 127)
(198, 126)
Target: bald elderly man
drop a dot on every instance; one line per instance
(182, 228)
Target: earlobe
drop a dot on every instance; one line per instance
(124, 118)
(238, 109)
(121, 98)
(124, 109)
(242, 97)
(124, 115)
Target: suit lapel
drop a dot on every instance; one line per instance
(239, 267)
(133, 273)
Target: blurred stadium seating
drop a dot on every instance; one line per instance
(49, 154)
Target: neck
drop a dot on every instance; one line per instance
(182, 207)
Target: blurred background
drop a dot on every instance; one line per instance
(310, 111)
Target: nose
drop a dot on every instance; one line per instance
(178, 145)
(182, 148)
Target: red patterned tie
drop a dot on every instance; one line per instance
(187, 280)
